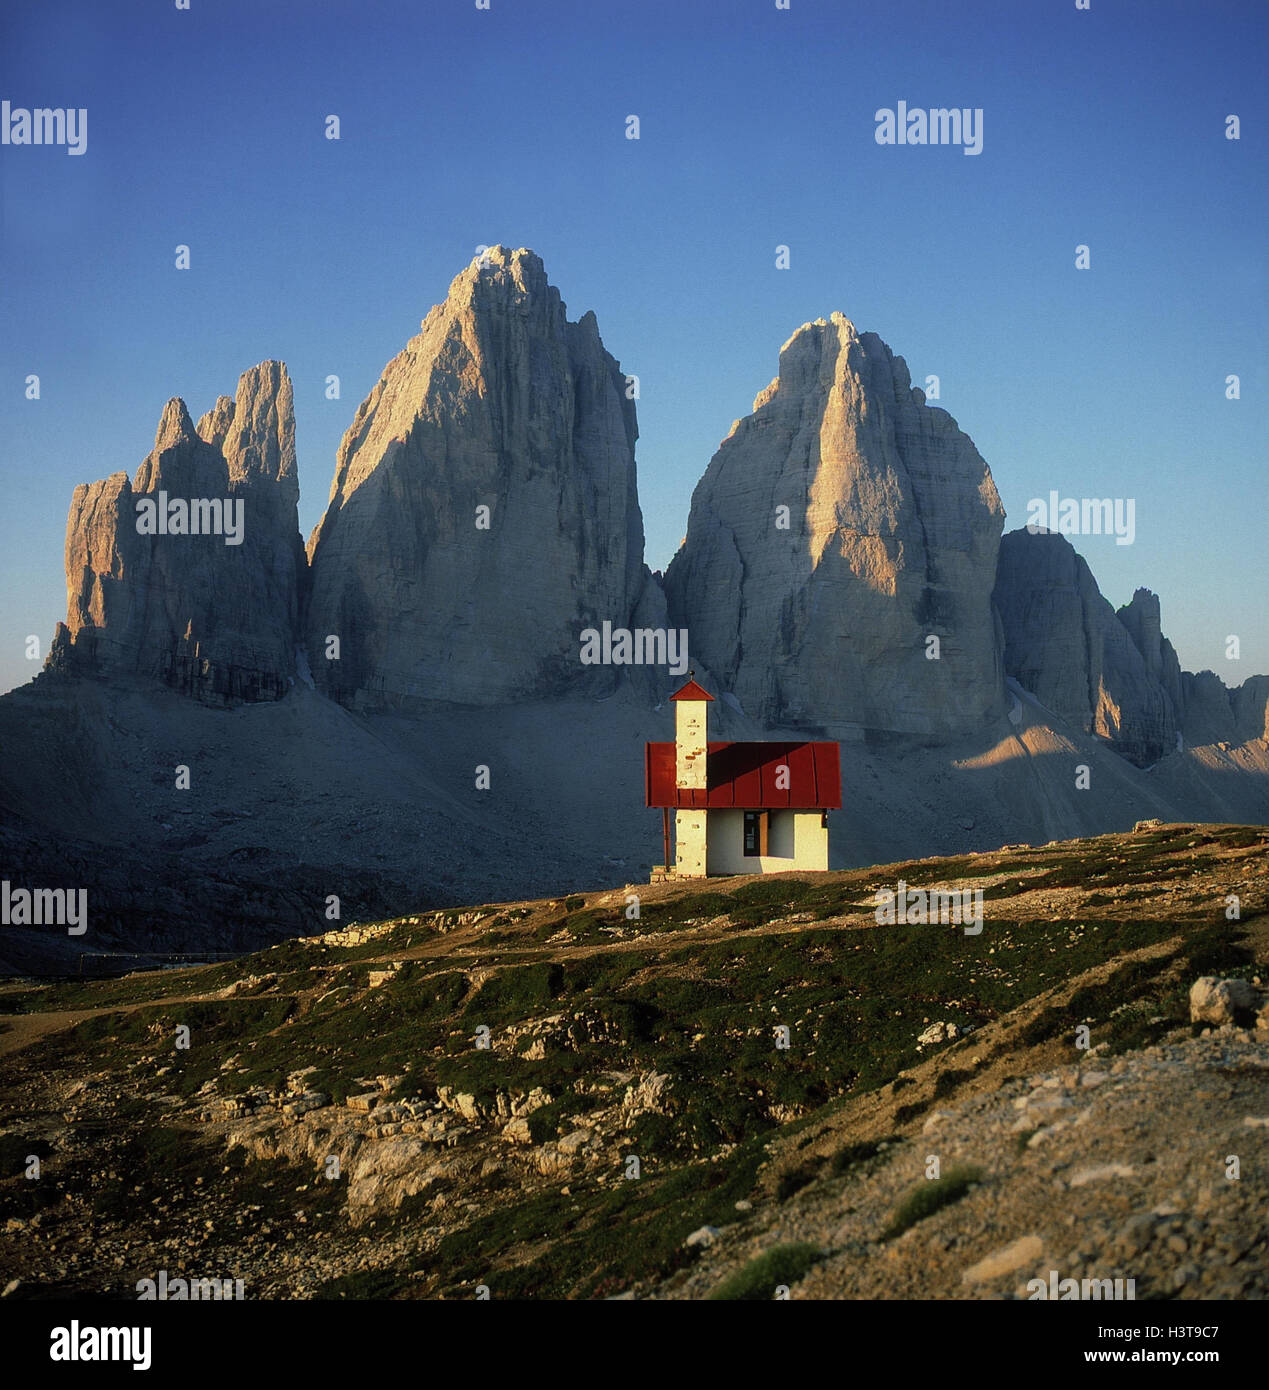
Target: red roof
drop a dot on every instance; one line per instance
(692, 691)
(744, 775)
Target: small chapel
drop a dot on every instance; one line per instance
(739, 808)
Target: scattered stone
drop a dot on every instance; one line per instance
(517, 1131)
(937, 1033)
(1024, 1251)
(1100, 1173)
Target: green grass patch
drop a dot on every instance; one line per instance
(783, 1265)
(363, 1285)
(931, 1196)
(853, 1155)
(601, 1242)
(516, 991)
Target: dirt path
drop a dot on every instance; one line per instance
(24, 1029)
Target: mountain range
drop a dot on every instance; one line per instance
(844, 575)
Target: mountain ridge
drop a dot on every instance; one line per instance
(217, 658)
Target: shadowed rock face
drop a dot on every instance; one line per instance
(1067, 646)
(838, 528)
(499, 402)
(1215, 713)
(1113, 674)
(214, 620)
(1143, 621)
(893, 527)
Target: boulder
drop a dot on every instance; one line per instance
(1217, 1001)
(1023, 1251)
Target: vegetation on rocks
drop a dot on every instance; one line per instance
(549, 1098)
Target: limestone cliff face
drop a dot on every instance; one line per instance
(1112, 673)
(214, 620)
(499, 403)
(1250, 703)
(1214, 713)
(893, 523)
(1066, 645)
(1142, 619)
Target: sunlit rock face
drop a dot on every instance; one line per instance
(213, 614)
(499, 402)
(893, 522)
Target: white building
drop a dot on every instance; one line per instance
(740, 808)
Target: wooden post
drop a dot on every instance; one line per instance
(665, 835)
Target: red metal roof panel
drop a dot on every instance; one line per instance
(755, 776)
(692, 691)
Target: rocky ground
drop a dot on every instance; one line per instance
(1111, 1170)
(336, 1125)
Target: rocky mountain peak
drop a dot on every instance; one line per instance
(213, 426)
(1113, 674)
(256, 431)
(838, 527)
(495, 457)
(200, 590)
(174, 427)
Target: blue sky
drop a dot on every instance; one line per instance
(462, 127)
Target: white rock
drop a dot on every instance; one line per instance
(1214, 1000)
(1100, 1172)
(1022, 1252)
(517, 1131)
(574, 1141)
